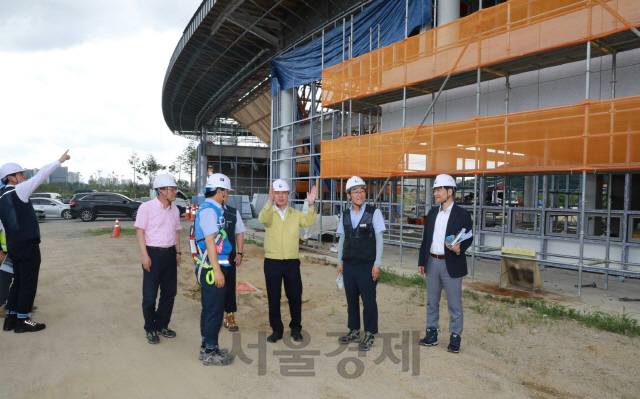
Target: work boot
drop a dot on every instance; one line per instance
(217, 358)
(165, 332)
(28, 325)
(203, 352)
(152, 338)
(230, 322)
(367, 343)
(431, 339)
(10, 322)
(454, 343)
(352, 336)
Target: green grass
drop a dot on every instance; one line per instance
(254, 242)
(100, 232)
(540, 312)
(388, 276)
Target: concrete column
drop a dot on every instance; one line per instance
(286, 134)
(592, 191)
(530, 197)
(448, 10)
(201, 166)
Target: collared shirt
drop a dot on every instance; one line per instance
(159, 223)
(378, 220)
(440, 230)
(239, 223)
(283, 212)
(209, 219)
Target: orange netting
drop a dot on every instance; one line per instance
(510, 30)
(591, 135)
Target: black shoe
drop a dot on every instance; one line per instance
(454, 343)
(431, 339)
(297, 336)
(10, 323)
(28, 325)
(367, 343)
(152, 338)
(274, 337)
(352, 336)
(165, 332)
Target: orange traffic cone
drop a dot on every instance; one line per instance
(116, 229)
(187, 214)
(193, 213)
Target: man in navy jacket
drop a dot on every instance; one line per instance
(444, 265)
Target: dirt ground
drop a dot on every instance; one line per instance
(94, 346)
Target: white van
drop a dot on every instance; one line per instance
(54, 196)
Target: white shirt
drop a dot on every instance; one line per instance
(440, 231)
(282, 213)
(26, 188)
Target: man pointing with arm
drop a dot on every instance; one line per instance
(23, 240)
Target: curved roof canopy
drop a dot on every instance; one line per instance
(225, 50)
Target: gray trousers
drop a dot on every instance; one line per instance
(437, 277)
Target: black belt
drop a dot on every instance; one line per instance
(438, 256)
(169, 249)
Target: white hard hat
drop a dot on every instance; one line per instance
(280, 185)
(164, 180)
(444, 181)
(9, 169)
(218, 180)
(355, 181)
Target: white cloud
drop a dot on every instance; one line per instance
(101, 99)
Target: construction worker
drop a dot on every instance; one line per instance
(235, 228)
(6, 273)
(23, 241)
(212, 267)
(158, 233)
(444, 265)
(282, 263)
(359, 260)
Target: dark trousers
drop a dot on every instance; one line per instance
(358, 282)
(26, 269)
(163, 275)
(230, 304)
(5, 282)
(275, 272)
(212, 307)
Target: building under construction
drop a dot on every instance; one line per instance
(532, 105)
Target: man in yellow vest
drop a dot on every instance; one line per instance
(281, 258)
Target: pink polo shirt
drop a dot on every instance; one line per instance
(159, 224)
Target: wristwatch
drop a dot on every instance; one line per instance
(240, 253)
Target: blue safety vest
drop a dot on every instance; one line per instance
(223, 246)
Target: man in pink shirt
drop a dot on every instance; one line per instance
(158, 235)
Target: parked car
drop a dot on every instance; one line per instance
(54, 196)
(92, 205)
(40, 213)
(53, 208)
(84, 191)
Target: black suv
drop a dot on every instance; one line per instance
(93, 205)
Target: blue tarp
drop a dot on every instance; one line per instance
(303, 64)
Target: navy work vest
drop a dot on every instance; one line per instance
(230, 219)
(18, 218)
(359, 243)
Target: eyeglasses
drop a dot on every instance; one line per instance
(358, 192)
(170, 189)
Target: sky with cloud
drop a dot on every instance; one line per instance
(87, 76)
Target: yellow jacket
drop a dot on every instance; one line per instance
(282, 238)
